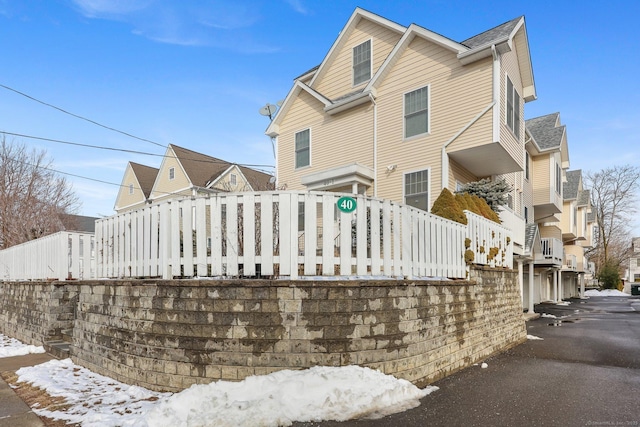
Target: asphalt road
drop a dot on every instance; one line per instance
(585, 372)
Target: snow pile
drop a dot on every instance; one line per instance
(278, 399)
(534, 338)
(316, 394)
(94, 400)
(10, 347)
(605, 293)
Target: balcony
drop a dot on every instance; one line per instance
(570, 263)
(515, 223)
(552, 252)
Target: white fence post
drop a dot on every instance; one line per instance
(251, 229)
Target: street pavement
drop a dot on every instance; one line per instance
(13, 411)
(585, 372)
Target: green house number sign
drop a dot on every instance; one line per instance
(346, 204)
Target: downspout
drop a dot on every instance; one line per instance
(496, 117)
(375, 145)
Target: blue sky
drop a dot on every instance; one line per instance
(195, 73)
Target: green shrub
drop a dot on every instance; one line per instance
(609, 276)
(447, 207)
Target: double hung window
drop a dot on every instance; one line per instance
(362, 63)
(303, 145)
(416, 112)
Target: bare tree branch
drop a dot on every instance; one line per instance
(614, 198)
(33, 198)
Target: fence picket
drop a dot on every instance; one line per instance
(249, 234)
(234, 233)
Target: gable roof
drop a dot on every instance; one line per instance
(584, 198)
(502, 37)
(202, 170)
(492, 36)
(571, 187)
(546, 130)
(146, 176)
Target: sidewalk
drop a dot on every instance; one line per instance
(13, 411)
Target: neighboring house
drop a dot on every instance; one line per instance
(401, 112)
(632, 273)
(81, 223)
(576, 235)
(185, 173)
(558, 213)
(136, 186)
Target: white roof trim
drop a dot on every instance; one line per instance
(273, 128)
(355, 18)
(413, 31)
(339, 177)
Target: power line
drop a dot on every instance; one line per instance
(100, 147)
(80, 117)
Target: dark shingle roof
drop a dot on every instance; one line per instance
(146, 177)
(571, 187)
(546, 130)
(492, 35)
(86, 224)
(583, 198)
(202, 169)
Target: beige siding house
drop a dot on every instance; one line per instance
(136, 186)
(183, 173)
(401, 112)
(558, 213)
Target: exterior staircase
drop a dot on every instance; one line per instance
(60, 348)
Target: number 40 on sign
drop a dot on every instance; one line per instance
(346, 204)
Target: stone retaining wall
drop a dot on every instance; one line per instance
(36, 312)
(168, 335)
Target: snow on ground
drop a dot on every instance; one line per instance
(315, 394)
(10, 347)
(533, 337)
(605, 293)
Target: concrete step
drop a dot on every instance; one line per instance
(67, 335)
(58, 348)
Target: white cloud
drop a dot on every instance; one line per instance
(220, 24)
(298, 6)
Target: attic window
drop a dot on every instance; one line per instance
(130, 188)
(232, 179)
(362, 63)
(172, 173)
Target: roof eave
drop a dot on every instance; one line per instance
(354, 101)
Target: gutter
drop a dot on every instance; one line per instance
(375, 145)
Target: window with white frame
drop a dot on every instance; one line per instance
(513, 108)
(558, 179)
(172, 173)
(303, 145)
(362, 63)
(233, 179)
(130, 188)
(416, 112)
(416, 189)
(527, 160)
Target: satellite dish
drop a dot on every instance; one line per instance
(279, 103)
(268, 110)
(272, 180)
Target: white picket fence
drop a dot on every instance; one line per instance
(490, 242)
(265, 234)
(278, 234)
(59, 256)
